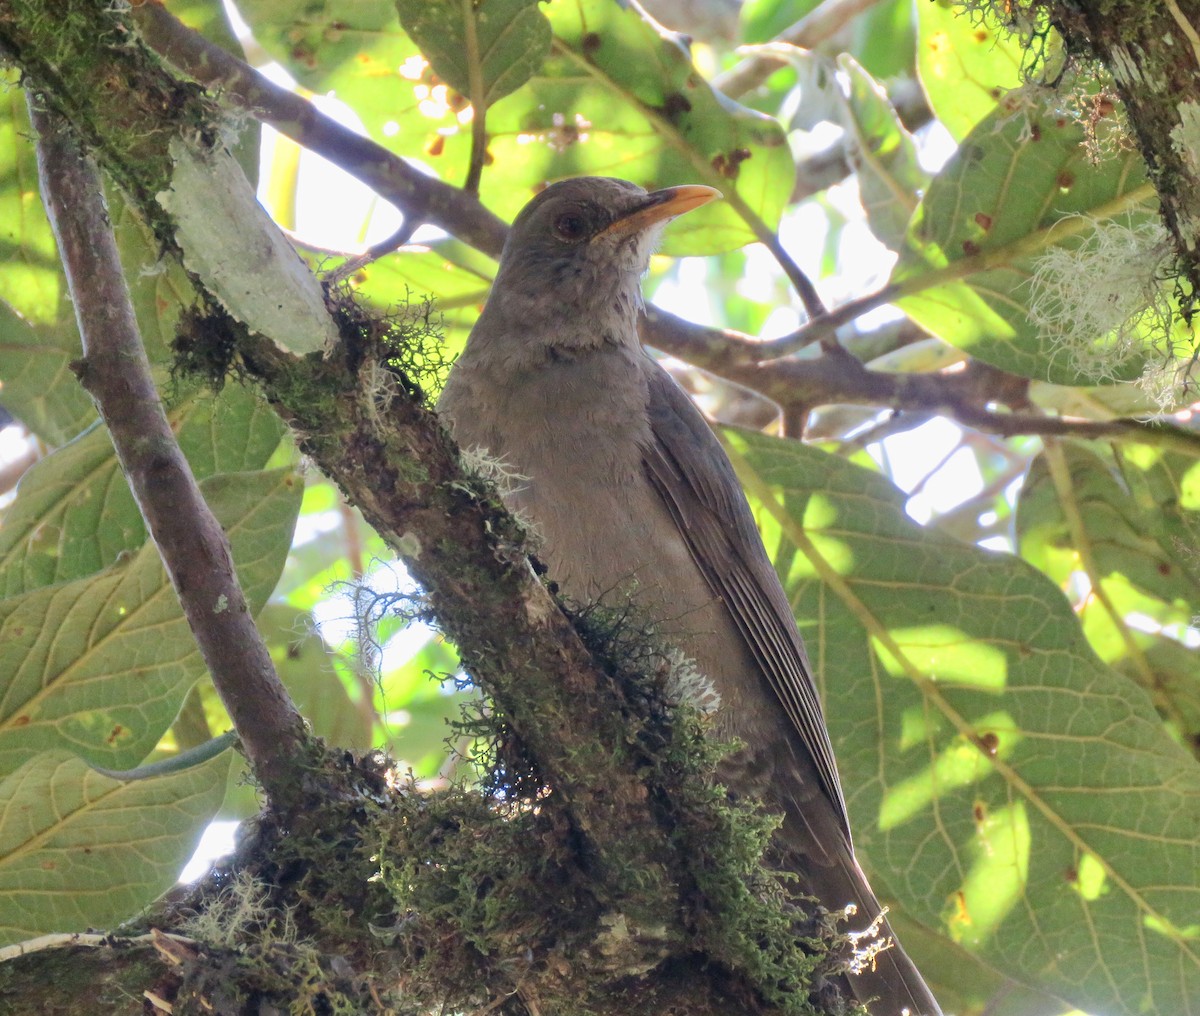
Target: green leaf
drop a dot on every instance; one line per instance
(100, 666)
(38, 338)
(306, 669)
(352, 50)
(884, 155)
(884, 39)
(1134, 519)
(484, 49)
(31, 281)
(964, 65)
(74, 513)
(991, 762)
(79, 850)
(617, 97)
(1125, 519)
(1021, 184)
(39, 388)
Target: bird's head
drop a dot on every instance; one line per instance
(578, 251)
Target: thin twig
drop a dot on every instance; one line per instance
(416, 195)
(194, 548)
(812, 29)
(355, 264)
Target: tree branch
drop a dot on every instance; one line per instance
(807, 33)
(194, 548)
(835, 376)
(1153, 53)
(416, 195)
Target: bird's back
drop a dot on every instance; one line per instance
(576, 429)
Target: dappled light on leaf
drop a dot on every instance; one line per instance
(1090, 879)
(995, 882)
(946, 655)
(964, 762)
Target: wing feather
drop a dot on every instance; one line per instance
(689, 469)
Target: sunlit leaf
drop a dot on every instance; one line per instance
(485, 49)
(964, 64)
(38, 338)
(962, 697)
(1124, 519)
(100, 666)
(1020, 184)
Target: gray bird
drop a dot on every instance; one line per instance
(634, 497)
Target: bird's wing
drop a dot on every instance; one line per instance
(692, 474)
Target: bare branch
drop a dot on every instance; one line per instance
(414, 193)
(811, 30)
(194, 548)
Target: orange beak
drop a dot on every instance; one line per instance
(659, 206)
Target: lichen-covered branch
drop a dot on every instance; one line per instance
(1152, 51)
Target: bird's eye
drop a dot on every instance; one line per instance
(570, 226)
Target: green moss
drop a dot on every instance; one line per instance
(497, 886)
(85, 61)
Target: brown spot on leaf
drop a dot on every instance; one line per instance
(970, 248)
(1164, 568)
(436, 146)
(962, 914)
(983, 220)
(115, 734)
(1035, 131)
(1065, 180)
(675, 106)
(979, 811)
(989, 743)
(1071, 874)
(590, 43)
(728, 164)
(304, 56)
(20, 721)
(981, 35)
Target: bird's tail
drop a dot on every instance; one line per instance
(882, 977)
